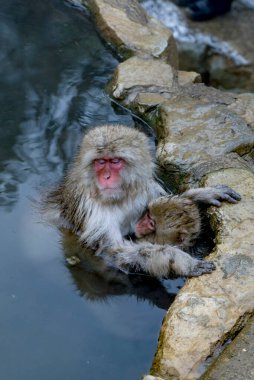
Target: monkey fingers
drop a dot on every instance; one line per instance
(225, 193)
(202, 267)
(212, 195)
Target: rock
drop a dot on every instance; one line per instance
(220, 49)
(238, 355)
(137, 76)
(196, 130)
(127, 27)
(244, 107)
(211, 308)
(199, 128)
(144, 83)
(145, 75)
(188, 77)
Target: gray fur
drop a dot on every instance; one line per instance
(103, 218)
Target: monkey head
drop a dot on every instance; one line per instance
(170, 220)
(145, 226)
(114, 160)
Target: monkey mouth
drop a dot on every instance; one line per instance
(108, 189)
(110, 193)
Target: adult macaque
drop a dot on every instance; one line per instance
(105, 193)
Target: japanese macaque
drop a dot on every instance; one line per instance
(105, 193)
(176, 220)
(171, 220)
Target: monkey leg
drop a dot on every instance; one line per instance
(157, 260)
(213, 195)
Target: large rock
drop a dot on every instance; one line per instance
(210, 308)
(238, 355)
(199, 129)
(202, 131)
(221, 49)
(137, 76)
(127, 27)
(141, 83)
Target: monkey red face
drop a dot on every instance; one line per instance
(107, 172)
(145, 225)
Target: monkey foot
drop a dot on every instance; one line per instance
(202, 267)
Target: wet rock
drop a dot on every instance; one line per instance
(244, 107)
(211, 308)
(237, 356)
(221, 49)
(143, 83)
(199, 128)
(138, 76)
(196, 130)
(188, 77)
(127, 27)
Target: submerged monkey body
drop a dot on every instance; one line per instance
(105, 193)
(91, 218)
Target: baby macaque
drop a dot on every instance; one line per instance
(171, 220)
(105, 193)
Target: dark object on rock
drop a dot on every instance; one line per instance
(203, 10)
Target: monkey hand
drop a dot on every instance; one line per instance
(202, 267)
(161, 261)
(222, 193)
(213, 195)
(181, 263)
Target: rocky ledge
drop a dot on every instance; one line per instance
(221, 49)
(205, 137)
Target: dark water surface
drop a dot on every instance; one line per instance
(88, 322)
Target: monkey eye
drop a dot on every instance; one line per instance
(100, 161)
(116, 161)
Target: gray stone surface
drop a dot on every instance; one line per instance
(210, 308)
(237, 360)
(128, 28)
(199, 128)
(220, 48)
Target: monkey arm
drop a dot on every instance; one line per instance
(212, 195)
(157, 260)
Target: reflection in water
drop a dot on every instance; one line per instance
(52, 72)
(96, 281)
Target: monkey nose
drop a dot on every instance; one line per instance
(106, 174)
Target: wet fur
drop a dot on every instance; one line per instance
(177, 221)
(102, 219)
